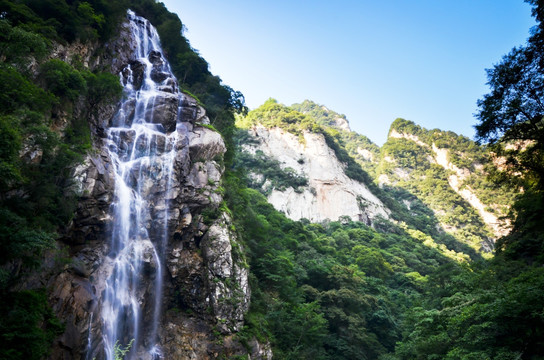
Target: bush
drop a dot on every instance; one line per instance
(62, 79)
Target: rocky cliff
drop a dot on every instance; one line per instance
(449, 173)
(435, 180)
(156, 165)
(456, 178)
(329, 193)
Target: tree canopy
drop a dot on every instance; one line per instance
(511, 121)
(511, 116)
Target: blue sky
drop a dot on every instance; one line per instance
(374, 61)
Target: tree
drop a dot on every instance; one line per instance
(102, 87)
(512, 115)
(512, 122)
(63, 80)
(17, 46)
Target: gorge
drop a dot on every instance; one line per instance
(146, 213)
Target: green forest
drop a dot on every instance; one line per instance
(400, 289)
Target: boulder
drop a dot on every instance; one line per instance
(155, 58)
(191, 111)
(205, 144)
(163, 110)
(134, 74)
(159, 76)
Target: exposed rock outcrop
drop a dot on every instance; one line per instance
(227, 275)
(456, 178)
(330, 192)
(206, 282)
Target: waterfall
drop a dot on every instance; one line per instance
(89, 338)
(142, 142)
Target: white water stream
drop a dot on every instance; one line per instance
(142, 152)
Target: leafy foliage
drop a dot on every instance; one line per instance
(44, 132)
(27, 325)
(330, 291)
(16, 44)
(490, 312)
(321, 114)
(66, 21)
(62, 80)
(273, 114)
(511, 119)
(119, 352)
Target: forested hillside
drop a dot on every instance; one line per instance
(480, 309)
(427, 312)
(44, 133)
(56, 85)
(449, 266)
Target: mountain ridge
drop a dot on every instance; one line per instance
(112, 171)
(386, 167)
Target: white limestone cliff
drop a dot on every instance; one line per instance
(330, 193)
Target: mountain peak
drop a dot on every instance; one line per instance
(323, 115)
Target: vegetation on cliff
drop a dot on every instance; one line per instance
(484, 309)
(45, 108)
(337, 290)
(359, 147)
(273, 114)
(478, 161)
(44, 131)
(409, 166)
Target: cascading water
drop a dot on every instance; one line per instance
(142, 143)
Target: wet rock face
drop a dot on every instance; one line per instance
(205, 144)
(74, 298)
(206, 282)
(95, 184)
(164, 111)
(208, 278)
(135, 70)
(191, 111)
(155, 58)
